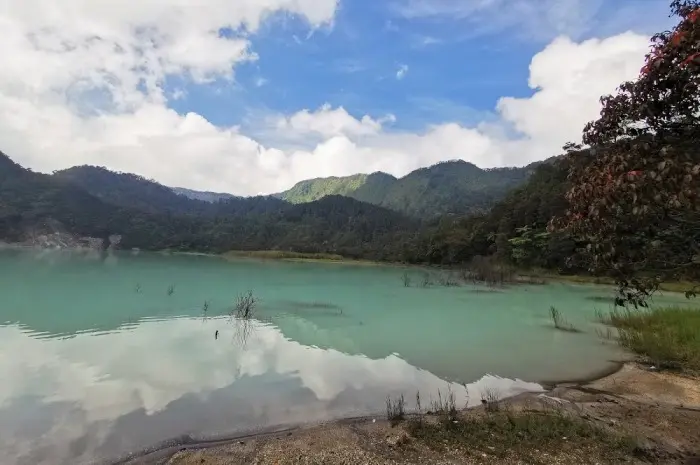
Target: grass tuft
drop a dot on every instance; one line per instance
(490, 399)
(395, 409)
(445, 407)
(668, 337)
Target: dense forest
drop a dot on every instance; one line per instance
(452, 187)
(151, 217)
(514, 230)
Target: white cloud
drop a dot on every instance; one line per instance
(82, 83)
(401, 73)
(329, 122)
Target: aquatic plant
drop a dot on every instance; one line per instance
(171, 290)
(448, 280)
(406, 279)
(243, 314)
(245, 306)
(483, 270)
(559, 322)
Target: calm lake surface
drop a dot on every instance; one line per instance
(99, 359)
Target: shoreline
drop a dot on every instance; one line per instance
(653, 414)
(162, 452)
(524, 277)
(296, 257)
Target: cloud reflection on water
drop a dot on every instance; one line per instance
(90, 396)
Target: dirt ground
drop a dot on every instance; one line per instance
(659, 412)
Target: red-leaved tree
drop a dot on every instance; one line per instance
(635, 195)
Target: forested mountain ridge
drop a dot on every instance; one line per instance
(514, 230)
(134, 191)
(33, 203)
(453, 187)
(365, 187)
(205, 196)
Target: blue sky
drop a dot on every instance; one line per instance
(455, 67)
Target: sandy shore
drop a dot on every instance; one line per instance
(660, 410)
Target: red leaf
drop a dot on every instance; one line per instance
(677, 38)
(690, 59)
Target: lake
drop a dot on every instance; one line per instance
(104, 355)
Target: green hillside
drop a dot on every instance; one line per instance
(95, 202)
(514, 229)
(454, 187)
(205, 196)
(371, 186)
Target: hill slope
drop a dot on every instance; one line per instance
(514, 229)
(34, 203)
(204, 196)
(455, 187)
(371, 187)
(133, 191)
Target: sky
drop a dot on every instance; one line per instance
(251, 96)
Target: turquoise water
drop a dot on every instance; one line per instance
(98, 359)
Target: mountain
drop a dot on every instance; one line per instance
(128, 190)
(204, 196)
(133, 191)
(454, 187)
(94, 202)
(371, 187)
(514, 229)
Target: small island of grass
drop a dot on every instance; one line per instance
(288, 255)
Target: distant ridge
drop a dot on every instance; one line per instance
(452, 187)
(204, 196)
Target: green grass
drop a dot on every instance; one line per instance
(668, 337)
(522, 434)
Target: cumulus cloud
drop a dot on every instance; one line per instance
(83, 83)
(329, 122)
(401, 73)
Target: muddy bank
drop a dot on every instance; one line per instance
(660, 412)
